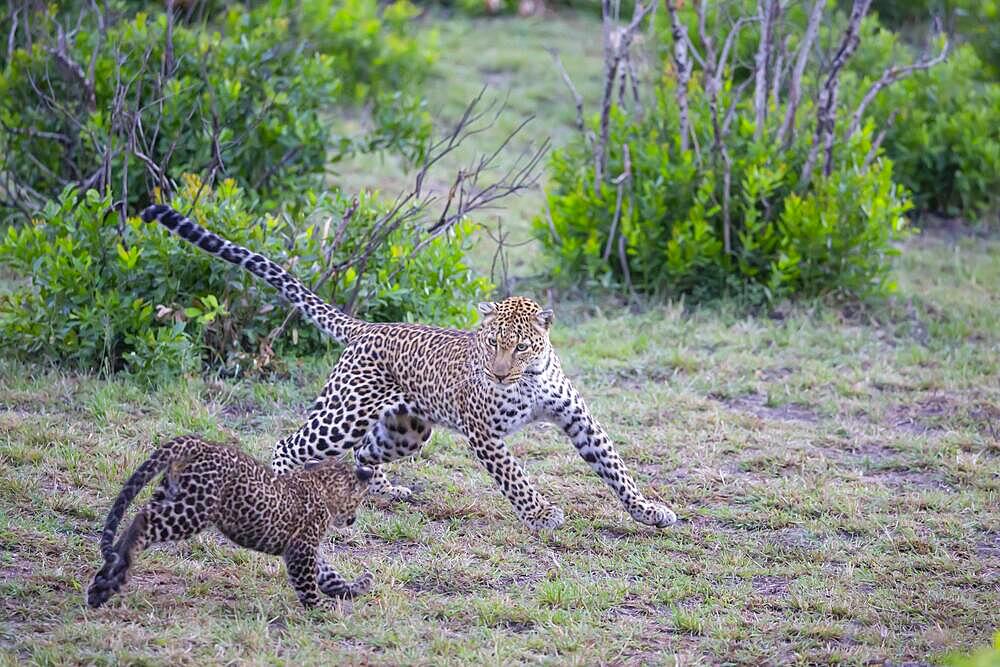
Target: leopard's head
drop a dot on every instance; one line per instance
(344, 486)
(512, 338)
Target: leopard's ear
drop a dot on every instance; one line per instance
(488, 310)
(545, 318)
(312, 463)
(364, 473)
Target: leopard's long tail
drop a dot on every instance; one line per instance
(331, 321)
(167, 454)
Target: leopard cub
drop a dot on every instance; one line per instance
(206, 483)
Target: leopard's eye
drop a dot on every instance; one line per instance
(492, 340)
(521, 347)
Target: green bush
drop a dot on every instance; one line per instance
(976, 22)
(253, 75)
(833, 235)
(945, 141)
(137, 299)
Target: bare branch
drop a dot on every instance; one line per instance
(617, 42)
(577, 98)
(623, 180)
(889, 76)
(877, 142)
(683, 65)
(767, 10)
(826, 109)
(795, 83)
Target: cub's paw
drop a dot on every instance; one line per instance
(547, 518)
(360, 586)
(654, 514)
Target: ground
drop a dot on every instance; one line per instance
(835, 469)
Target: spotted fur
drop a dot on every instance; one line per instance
(207, 483)
(393, 382)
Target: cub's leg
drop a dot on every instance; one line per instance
(596, 448)
(156, 522)
(397, 434)
(334, 585)
(513, 481)
(303, 571)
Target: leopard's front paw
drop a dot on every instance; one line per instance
(546, 518)
(653, 514)
(361, 585)
(382, 487)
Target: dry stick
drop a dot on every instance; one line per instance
(683, 64)
(826, 109)
(610, 73)
(785, 134)
(616, 44)
(12, 35)
(620, 182)
(767, 9)
(714, 69)
(548, 217)
(889, 76)
(500, 255)
(873, 151)
(577, 98)
(633, 77)
(779, 65)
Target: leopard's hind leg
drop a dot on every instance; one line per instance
(399, 432)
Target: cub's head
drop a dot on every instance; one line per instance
(344, 486)
(513, 336)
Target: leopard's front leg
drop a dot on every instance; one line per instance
(593, 444)
(513, 481)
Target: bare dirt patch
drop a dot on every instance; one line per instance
(908, 479)
(921, 417)
(241, 409)
(770, 586)
(756, 404)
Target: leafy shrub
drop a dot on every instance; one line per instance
(976, 22)
(250, 78)
(945, 141)
(375, 49)
(835, 234)
(135, 298)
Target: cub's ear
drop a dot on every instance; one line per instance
(364, 473)
(312, 463)
(488, 310)
(545, 318)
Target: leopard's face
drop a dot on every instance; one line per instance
(344, 487)
(513, 335)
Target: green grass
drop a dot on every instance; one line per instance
(836, 473)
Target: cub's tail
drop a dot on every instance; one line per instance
(331, 321)
(170, 453)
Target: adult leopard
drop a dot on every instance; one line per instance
(394, 381)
